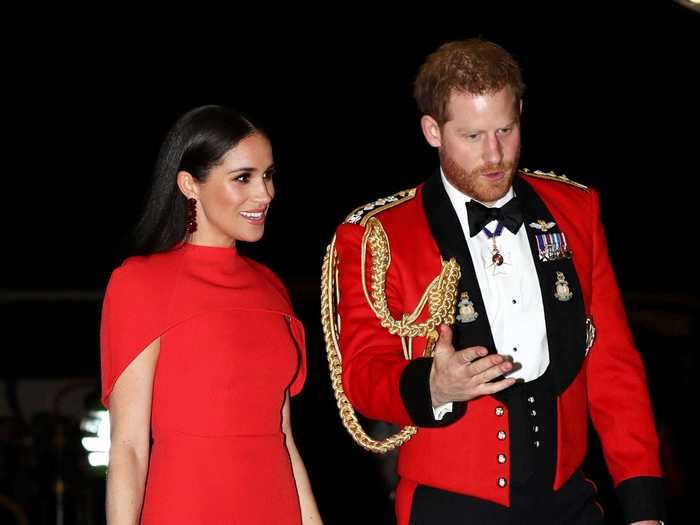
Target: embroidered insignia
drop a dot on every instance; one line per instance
(467, 312)
(552, 176)
(543, 226)
(361, 214)
(590, 334)
(561, 288)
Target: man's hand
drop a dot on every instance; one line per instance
(465, 374)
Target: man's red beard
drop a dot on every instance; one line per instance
(472, 184)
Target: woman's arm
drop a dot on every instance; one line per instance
(130, 420)
(309, 511)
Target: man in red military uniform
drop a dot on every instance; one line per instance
(540, 340)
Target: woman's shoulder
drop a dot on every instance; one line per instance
(145, 273)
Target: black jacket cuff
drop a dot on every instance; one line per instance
(642, 498)
(415, 393)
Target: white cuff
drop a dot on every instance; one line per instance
(440, 411)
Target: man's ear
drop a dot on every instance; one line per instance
(431, 131)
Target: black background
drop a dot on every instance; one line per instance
(611, 102)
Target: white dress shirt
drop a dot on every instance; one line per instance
(511, 293)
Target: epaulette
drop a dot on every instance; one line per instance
(363, 213)
(552, 176)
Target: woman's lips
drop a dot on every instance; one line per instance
(254, 217)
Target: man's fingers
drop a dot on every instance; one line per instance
(470, 354)
(481, 365)
(493, 372)
(491, 388)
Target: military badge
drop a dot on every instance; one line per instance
(561, 288)
(590, 334)
(467, 312)
(543, 226)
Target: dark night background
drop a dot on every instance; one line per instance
(612, 102)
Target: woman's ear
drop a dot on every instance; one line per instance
(187, 184)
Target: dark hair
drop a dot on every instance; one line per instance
(469, 66)
(195, 143)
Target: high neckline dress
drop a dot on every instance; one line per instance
(230, 349)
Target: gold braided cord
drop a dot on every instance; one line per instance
(440, 296)
(330, 323)
(441, 293)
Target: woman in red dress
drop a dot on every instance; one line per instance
(200, 347)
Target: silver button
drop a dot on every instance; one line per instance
(536, 428)
(537, 444)
(533, 412)
(530, 399)
(501, 458)
(501, 435)
(502, 482)
(499, 411)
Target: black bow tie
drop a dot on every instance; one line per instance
(479, 215)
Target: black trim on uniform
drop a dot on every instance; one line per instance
(642, 498)
(415, 393)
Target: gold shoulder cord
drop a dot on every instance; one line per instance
(440, 296)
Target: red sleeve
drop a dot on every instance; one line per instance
(132, 318)
(618, 398)
(373, 361)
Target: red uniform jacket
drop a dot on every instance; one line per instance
(606, 382)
